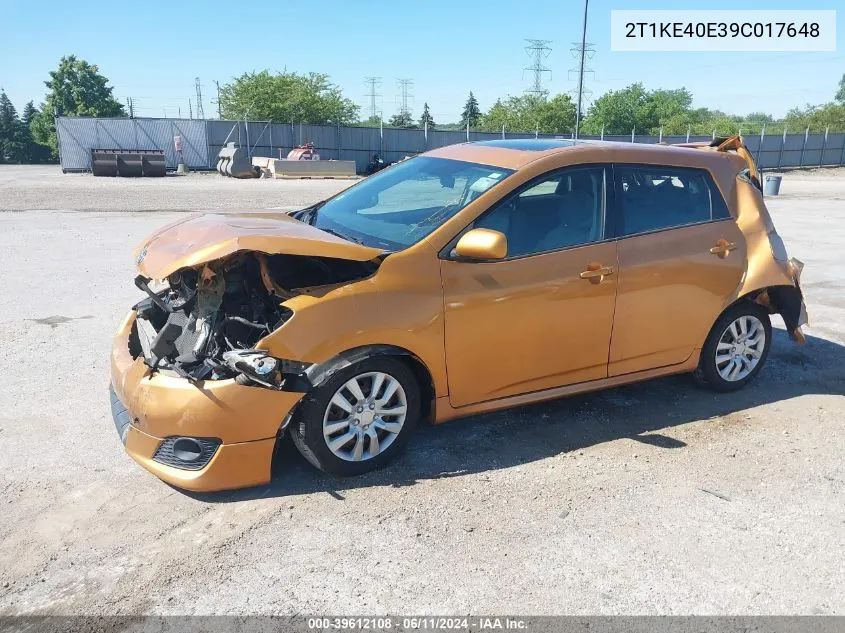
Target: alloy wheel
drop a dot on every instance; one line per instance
(364, 416)
(740, 348)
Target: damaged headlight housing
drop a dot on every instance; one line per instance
(259, 367)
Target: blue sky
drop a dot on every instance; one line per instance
(152, 51)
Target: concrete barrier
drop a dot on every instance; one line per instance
(282, 168)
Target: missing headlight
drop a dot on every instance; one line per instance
(257, 366)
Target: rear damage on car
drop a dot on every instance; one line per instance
(772, 278)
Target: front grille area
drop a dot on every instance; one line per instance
(169, 451)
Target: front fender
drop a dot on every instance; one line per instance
(400, 307)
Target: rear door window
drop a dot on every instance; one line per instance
(653, 198)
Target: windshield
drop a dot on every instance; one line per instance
(398, 207)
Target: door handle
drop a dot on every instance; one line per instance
(723, 248)
(596, 272)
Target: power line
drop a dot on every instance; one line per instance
(374, 82)
(538, 50)
(198, 86)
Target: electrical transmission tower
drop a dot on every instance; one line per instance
(582, 53)
(404, 94)
(373, 83)
(198, 85)
(538, 50)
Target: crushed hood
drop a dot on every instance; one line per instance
(205, 237)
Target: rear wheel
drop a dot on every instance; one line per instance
(736, 348)
(360, 418)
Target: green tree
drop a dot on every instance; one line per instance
(12, 146)
(426, 118)
(372, 121)
(840, 94)
(471, 113)
(286, 97)
(402, 119)
(634, 107)
(34, 152)
(529, 113)
(76, 88)
(817, 118)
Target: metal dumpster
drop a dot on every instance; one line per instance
(128, 163)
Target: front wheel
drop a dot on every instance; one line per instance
(360, 418)
(736, 348)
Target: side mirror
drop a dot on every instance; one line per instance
(482, 244)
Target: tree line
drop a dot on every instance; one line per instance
(77, 88)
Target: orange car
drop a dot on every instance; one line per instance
(471, 278)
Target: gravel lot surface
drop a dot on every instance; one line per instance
(653, 498)
(46, 187)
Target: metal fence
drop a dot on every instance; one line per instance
(202, 141)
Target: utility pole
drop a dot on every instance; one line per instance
(198, 86)
(583, 50)
(130, 105)
(190, 110)
(374, 83)
(219, 113)
(538, 50)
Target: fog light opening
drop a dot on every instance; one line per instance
(187, 449)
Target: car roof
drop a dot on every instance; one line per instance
(517, 153)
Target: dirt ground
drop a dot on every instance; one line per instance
(654, 498)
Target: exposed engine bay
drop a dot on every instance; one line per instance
(204, 322)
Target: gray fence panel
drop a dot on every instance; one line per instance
(79, 135)
(768, 160)
(74, 143)
(158, 134)
(815, 141)
(833, 153)
(792, 150)
(117, 134)
(359, 144)
(752, 143)
(194, 142)
(441, 138)
(202, 141)
(218, 131)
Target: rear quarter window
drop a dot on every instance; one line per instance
(653, 198)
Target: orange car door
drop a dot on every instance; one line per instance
(681, 256)
(541, 317)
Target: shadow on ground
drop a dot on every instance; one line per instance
(525, 434)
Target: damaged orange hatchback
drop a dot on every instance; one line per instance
(471, 278)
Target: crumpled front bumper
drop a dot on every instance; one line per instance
(245, 419)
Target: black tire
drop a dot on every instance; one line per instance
(707, 373)
(306, 428)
